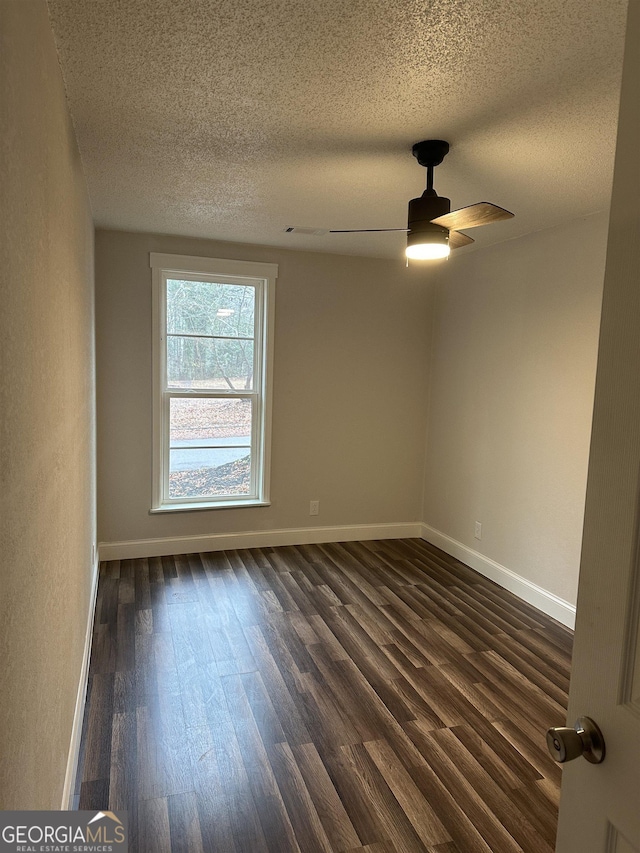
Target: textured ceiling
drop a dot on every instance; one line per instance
(234, 119)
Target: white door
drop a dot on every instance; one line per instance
(600, 804)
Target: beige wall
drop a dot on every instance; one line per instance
(349, 405)
(513, 371)
(47, 505)
(504, 394)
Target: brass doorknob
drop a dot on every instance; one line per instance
(585, 738)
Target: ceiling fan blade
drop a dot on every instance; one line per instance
(458, 239)
(483, 213)
(367, 230)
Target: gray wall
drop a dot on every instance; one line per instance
(512, 380)
(47, 505)
(349, 405)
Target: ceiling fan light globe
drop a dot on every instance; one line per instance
(427, 242)
(428, 251)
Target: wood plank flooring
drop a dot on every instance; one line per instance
(378, 697)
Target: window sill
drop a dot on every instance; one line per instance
(195, 507)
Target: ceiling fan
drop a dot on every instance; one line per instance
(433, 229)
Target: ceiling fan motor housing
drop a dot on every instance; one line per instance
(424, 209)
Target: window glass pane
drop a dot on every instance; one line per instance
(209, 422)
(210, 450)
(219, 364)
(208, 308)
(196, 473)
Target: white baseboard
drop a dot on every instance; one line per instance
(78, 715)
(545, 601)
(256, 539)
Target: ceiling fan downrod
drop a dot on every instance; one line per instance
(430, 188)
(427, 207)
(430, 153)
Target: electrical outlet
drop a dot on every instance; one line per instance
(478, 533)
(314, 507)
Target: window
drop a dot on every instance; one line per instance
(213, 324)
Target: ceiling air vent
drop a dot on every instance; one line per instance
(298, 229)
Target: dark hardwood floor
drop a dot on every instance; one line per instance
(364, 696)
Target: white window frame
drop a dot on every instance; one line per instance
(262, 277)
